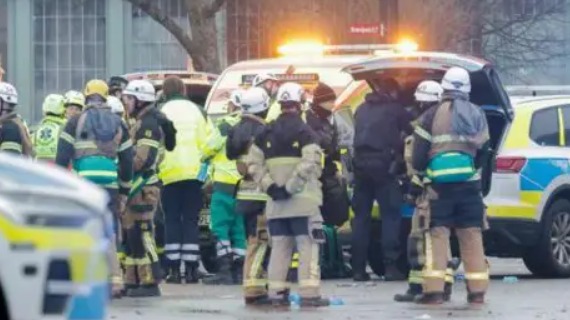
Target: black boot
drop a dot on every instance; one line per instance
(192, 273)
(432, 298)
(315, 302)
(361, 276)
(174, 276)
(392, 273)
(150, 290)
(476, 297)
(224, 275)
(237, 271)
(447, 290)
(281, 300)
(413, 291)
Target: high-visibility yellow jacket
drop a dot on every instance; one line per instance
(46, 137)
(192, 132)
(223, 170)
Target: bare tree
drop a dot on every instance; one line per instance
(201, 44)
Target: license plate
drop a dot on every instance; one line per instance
(204, 220)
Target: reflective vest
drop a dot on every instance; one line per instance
(46, 137)
(192, 132)
(223, 169)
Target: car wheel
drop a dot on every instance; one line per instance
(551, 256)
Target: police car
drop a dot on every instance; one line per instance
(409, 69)
(54, 231)
(529, 199)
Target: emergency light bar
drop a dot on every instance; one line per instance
(302, 48)
(294, 77)
(537, 90)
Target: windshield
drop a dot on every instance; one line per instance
(232, 80)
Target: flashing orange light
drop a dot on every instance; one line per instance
(407, 46)
(301, 48)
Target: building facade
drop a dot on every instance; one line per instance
(51, 46)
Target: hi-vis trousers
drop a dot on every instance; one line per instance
(458, 206)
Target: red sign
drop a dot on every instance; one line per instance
(369, 28)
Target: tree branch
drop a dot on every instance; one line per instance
(214, 8)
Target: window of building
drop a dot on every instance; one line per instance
(3, 37)
(69, 45)
(544, 129)
(154, 48)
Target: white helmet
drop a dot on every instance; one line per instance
(456, 79)
(255, 100)
(141, 89)
(116, 105)
(54, 104)
(8, 93)
(75, 98)
(428, 91)
(262, 78)
(236, 96)
(291, 92)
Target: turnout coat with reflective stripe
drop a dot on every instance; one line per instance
(286, 153)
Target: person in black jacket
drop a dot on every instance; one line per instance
(378, 154)
(320, 118)
(250, 199)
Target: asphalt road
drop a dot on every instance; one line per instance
(528, 298)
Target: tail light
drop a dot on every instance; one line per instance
(509, 164)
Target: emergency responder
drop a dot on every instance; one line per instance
(46, 137)
(227, 225)
(378, 153)
(285, 161)
(97, 143)
(182, 191)
(117, 106)
(74, 103)
(250, 200)
(450, 144)
(116, 86)
(428, 94)
(142, 269)
(270, 84)
(234, 104)
(14, 135)
(319, 117)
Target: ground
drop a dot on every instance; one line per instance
(528, 298)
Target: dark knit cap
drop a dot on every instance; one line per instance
(323, 93)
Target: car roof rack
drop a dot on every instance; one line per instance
(534, 91)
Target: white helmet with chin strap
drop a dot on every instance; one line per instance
(291, 92)
(262, 78)
(236, 97)
(141, 89)
(254, 101)
(456, 79)
(116, 105)
(8, 93)
(428, 91)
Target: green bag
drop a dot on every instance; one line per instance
(332, 261)
(451, 167)
(97, 169)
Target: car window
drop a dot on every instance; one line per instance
(544, 128)
(566, 117)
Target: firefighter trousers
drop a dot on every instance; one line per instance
(285, 234)
(227, 225)
(141, 262)
(254, 275)
(112, 256)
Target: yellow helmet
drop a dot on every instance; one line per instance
(53, 104)
(73, 97)
(96, 86)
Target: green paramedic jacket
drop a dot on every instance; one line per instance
(46, 137)
(70, 148)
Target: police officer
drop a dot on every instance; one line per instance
(46, 137)
(285, 161)
(74, 103)
(227, 225)
(450, 145)
(378, 151)
(182, 191)
(98, 145)
(428, 94)
(142, 270)
(14, 136)
(250, 200)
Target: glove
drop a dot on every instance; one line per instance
(278, 193)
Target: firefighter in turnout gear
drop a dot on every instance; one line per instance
(97, 143)
(427, 95)
(250, 200)
(270, 84)
(450, 146)
(227, 225)
(74, 103)
(150, 129)
(14, 135)
(286, 162)
(46, 137)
